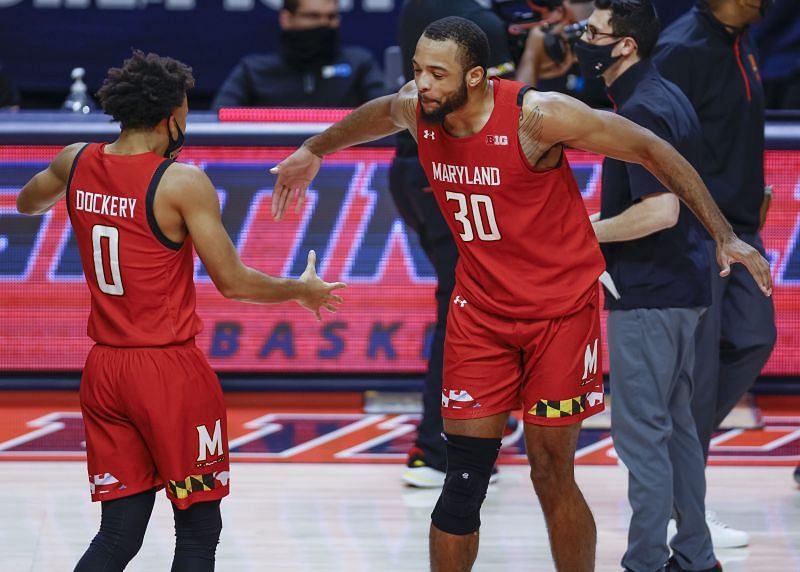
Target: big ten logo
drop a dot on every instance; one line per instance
(209, 444)
(497, 139)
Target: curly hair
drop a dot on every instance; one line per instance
(145, 89)
(471, 40)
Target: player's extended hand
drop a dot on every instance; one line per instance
(317, 294)
(736, 250)
(294, 175)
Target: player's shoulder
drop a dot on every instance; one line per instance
(180, 178)
(71, 151)
(549, 103)
(65, 159)
(404, 106)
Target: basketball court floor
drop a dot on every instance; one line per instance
(315, 485)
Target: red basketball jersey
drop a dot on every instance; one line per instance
(526, 246)
(141, 282)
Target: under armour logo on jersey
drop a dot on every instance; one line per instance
(497, 139)
(428, 134)
(460, 301)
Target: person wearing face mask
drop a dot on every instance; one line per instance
(149, 399)
(311, 69)
(548, 61)
(710, 55)
(524, 325)
(655, 254)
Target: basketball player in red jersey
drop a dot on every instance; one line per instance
(152, 407)
(524, 326)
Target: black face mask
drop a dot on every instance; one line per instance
(174, 146)
(593, 59)
(310, 48)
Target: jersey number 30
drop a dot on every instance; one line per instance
(99, 232)
(479, 204)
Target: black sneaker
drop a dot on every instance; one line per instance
(673, 566)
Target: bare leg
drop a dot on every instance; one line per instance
(573, 537)
(455, 552)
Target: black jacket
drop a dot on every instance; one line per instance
(265, 80)
(717, 69)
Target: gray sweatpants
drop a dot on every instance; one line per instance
(651, 357)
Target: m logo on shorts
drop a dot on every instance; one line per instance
(209, 444)
(590, 361)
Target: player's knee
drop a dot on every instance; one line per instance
(197, 528)
(551, 473)
(469, 467)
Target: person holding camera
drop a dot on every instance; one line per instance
(655, 254)
(547, 61)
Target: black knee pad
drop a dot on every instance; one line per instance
(469, 467)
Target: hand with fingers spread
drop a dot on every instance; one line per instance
(735, 250)
(317, 293)
(295, 174)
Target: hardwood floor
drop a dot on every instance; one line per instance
(349, 518)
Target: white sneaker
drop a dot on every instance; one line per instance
(722, 535)
(423, 477)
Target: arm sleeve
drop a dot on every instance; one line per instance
(235, 91)
(643, 182)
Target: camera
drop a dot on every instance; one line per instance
(520, 16)
(557, 44)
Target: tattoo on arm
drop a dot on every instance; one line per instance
(531, 124)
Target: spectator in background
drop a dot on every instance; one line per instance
(548, 62)
(778, 39)
(9, 96)
(655, 254)
(311, 70)
(426, 463)
(710, 55)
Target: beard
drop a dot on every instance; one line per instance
(451, 104)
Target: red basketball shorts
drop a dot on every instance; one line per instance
(154, 418)
(551, 368)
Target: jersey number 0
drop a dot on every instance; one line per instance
(99, 232)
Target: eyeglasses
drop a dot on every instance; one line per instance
(590, 33)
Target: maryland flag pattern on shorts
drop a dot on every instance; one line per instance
(554, 409)
(192, 484)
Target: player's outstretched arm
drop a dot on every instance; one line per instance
(47, 187)
(566, 120)
(192, 194)
(375, 119)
